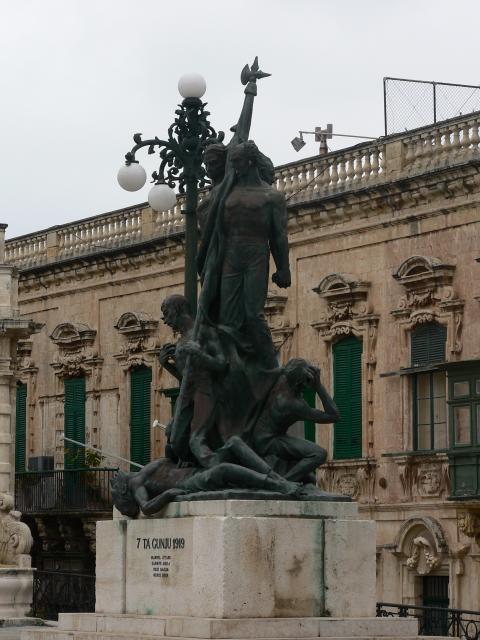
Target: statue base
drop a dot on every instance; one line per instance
(16, 592)
(235, 569)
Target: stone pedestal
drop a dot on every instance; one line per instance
(239, 559)
(235, 569)
(16, 587)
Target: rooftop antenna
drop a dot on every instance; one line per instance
(321, 136)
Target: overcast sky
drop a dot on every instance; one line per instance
(79, 77)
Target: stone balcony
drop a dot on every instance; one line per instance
(444, 145)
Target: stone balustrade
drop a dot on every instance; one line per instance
(399, 156)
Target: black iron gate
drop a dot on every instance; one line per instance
(55, 592)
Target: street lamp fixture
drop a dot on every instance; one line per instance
(181, 164)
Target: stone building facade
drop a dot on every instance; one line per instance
(385, 297)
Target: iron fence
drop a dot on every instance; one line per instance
(436, 621)
(55, 592)
(409, 104)
(64, 490)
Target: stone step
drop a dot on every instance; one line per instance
(60, 634)
(238, 628)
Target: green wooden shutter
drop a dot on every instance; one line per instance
(20, 426)
(428, 344)
(140, 427)
(309, 426)
(74, 421)
(347, 385)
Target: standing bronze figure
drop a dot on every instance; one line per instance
(235, 405)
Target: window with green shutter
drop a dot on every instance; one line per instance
(428, 344)
(347, 388)
(20, 426)
(427, 347)
(309, 426)
(140, 423)
(74, 421)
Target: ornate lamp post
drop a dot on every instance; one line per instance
(180, 163)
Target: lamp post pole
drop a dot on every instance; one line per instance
(181, 163)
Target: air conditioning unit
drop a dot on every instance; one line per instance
(41, 463)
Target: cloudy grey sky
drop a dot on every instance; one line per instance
(79, 77)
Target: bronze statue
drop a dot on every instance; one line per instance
(161, 481)
(285, 406)
(235, 406)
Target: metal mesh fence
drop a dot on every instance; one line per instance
(409, 104)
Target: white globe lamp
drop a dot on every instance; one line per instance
(192, 85)
(131, 177)
(161, 197)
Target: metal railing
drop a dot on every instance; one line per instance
(64, 490)
(436, 621)
(55, 592)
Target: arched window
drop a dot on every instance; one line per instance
(429, 388)
(347, 387)
(140, 422)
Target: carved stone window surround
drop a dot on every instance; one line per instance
(77, 356)
(429, 297)
(347, 312)
(76, 353)
(140, 346)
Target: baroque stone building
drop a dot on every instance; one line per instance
(384, 243)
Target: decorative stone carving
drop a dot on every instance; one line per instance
(429, 297)
(347, 311)
(15, 537)
(76, 355)
(353, 478)
(140, 346)
(25, 364)
(422, 543)
(282, 331)
(423, 476)
(469, 524)
(430, 560)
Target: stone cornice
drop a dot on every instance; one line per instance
(162, 251)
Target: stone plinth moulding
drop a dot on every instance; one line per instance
(347, 312)
(429, 297)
